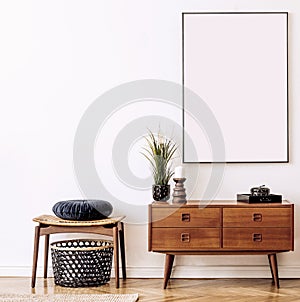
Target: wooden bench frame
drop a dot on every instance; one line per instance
(48, 225)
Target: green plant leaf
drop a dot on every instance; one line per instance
(159, 153)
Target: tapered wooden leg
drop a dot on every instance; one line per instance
(35, 254)
(46, 252)
(274, 269)
(168, 268)
(269, 258)
(122, 249)
(116, 254)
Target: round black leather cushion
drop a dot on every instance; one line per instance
(82, 209)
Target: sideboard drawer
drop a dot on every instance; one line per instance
(185, 217)
(257, 217)
(257, 238)
(176, 239)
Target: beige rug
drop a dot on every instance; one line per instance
(70, 298)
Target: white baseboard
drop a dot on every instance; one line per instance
(236, 271)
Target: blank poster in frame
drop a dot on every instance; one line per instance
(237, 63)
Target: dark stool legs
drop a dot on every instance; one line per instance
(122, 249)
(46, 255)
(35, 254)
(116, 255)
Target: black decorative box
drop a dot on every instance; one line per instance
(271, 198)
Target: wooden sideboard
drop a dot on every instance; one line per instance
(221, 228)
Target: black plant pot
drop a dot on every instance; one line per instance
(161, 192)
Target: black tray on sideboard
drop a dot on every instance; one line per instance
(271, 198)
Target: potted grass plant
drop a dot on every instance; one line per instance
(160, 152)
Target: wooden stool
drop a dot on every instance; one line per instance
(49, 224)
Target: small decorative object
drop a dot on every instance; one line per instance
(259, 194)
(178, 172)
(159, 153)
(179, 195)
(161, 192)
(260, 191)
(91, 209)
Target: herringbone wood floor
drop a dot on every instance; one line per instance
(187, 290)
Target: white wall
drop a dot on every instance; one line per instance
(56, 58)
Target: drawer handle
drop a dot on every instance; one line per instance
(186, 217)
(257, 237)
(185, 237)
(257, 217)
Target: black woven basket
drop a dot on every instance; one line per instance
(81, 262)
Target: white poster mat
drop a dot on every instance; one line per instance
(237, 64)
